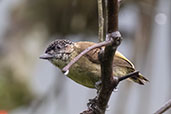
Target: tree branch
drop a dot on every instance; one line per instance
(165, 107)
(112, 7)
(133, 74)
(100, 21)
(98, 45)
(106, 59)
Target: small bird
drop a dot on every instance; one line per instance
(86, 71)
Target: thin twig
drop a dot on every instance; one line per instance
(98, 45)
(100, 21)
(132, 74)
(165, 107)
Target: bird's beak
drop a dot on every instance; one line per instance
(46, 56)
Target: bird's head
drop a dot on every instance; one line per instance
(59, 52)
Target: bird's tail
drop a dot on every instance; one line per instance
(140, 79)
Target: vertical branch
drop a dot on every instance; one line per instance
(112, 12)
(106, 58)
(100, 21)
(99, 104)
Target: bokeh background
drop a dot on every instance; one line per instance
(29, 85)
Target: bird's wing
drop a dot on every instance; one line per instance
(122, 61)
(91, 55)
(119, 59)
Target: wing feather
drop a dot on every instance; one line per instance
(119, 59)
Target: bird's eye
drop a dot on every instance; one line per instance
(51, 52)
(58, 47)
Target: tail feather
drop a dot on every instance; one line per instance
(140, 79)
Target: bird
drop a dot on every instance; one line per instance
(86, 71)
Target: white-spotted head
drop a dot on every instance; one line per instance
(58, 52)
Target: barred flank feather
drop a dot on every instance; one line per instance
(140, 79)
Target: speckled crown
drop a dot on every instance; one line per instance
(58, 42)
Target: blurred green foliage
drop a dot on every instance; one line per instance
(13, 93)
